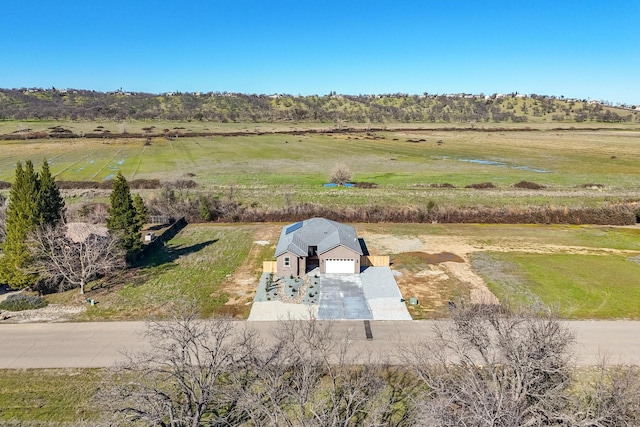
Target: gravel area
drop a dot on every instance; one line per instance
(298, 290)
(50, 314)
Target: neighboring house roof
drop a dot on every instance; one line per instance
(80, 231)
(323, 233)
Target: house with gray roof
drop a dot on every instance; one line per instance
(318, 242)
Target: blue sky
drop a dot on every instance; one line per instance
(574, 48)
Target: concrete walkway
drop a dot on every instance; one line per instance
(100, 344)
(383, 295)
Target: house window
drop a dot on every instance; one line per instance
(313, 250)
(287, 261)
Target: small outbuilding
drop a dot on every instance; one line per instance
(318, 243)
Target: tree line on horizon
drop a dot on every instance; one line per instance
(72, 104)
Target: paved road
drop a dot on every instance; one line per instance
(64, 345)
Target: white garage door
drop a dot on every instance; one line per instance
(340, 266)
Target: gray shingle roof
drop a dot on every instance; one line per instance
(320, 232)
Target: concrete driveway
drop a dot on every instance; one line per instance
(342, 298)
(370, 295)
(383, 295)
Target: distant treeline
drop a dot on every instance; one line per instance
(72, 104)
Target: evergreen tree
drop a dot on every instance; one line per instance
(122, 217)
(141, 210)
(51, 202)
(23, 216)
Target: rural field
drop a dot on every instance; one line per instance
(577, 167)
(578, 271)
(581, 272)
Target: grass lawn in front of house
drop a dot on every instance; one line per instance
(577, 286)
(192, 266)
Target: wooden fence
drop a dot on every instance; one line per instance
(167, 235)
(269, 266)
(374, 261)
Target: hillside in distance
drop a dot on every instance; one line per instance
(76, 104)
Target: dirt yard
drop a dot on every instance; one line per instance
(433, 269)
(241, 285)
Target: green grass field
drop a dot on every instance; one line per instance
(536, 263)
(191, 267)
(529, 235)
(48, 396)
(577, 286)
(583, 272)
(273, 170)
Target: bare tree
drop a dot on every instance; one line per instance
(490, 367)
(340, 174)
(71, 260)
(309, 377)
(605, 396)
(487, 367)
(213, 372)
(185, 378)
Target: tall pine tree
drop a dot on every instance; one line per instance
(52, 208)
(122, 217)
(23, 216)
(141, 210)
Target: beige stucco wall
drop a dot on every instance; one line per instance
(298, 265)
(293, 268)
(340, 252)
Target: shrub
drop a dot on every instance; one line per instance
(481, 185)
(20, 302)
(145, 184)
(137, 184)
(341, 174)
(528, 185)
